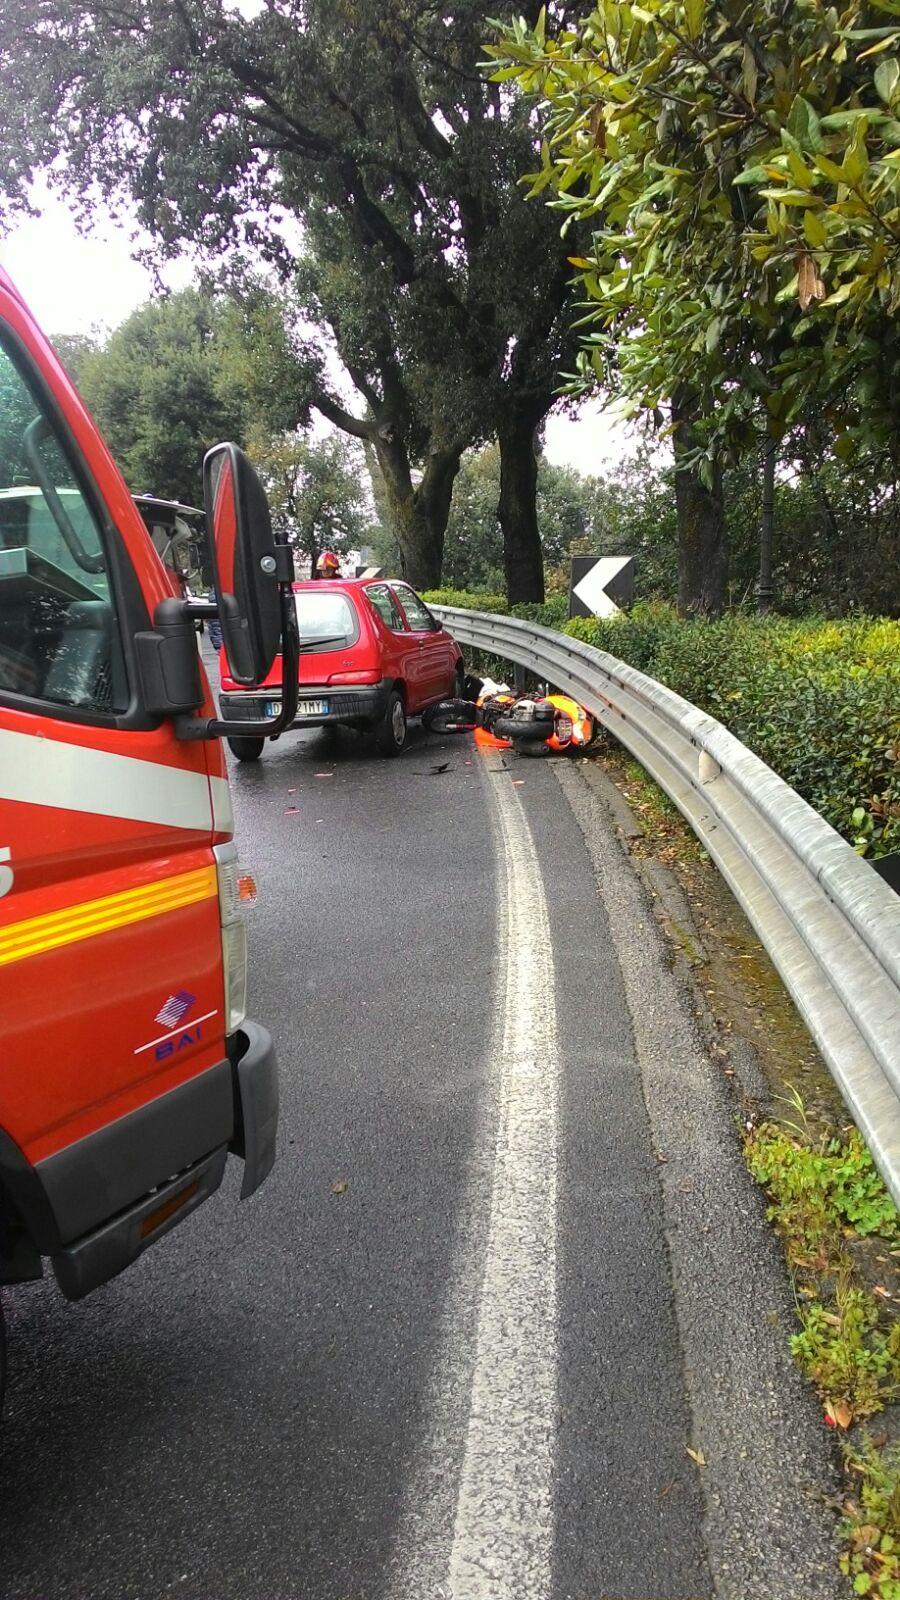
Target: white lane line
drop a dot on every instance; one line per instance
(503, 1530)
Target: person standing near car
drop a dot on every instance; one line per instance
(328, 565)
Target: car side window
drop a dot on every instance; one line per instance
(59, 631)
(417, 613)
(384, 601)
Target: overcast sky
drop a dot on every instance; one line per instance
(76, 284)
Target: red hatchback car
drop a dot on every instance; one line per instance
(372, 655)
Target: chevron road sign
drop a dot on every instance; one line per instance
(608, 580)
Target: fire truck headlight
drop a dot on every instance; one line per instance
(234, 935)
(234, 961)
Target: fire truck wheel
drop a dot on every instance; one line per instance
(391, 734)
(246, 749)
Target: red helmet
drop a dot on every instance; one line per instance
(328, 565)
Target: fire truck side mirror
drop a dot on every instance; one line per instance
(245, 566)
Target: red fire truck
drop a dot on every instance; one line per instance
(128, 1070)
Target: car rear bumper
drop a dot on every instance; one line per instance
(365, 702)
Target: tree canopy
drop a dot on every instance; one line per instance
(180, 374)
(739, 167)
(370, 124)
(317, 491)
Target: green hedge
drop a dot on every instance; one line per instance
(818, 700)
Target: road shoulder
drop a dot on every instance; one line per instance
(767, 1462)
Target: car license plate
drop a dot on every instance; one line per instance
(273, 708)
(312, 708)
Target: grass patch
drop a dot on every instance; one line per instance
(819, 1188)
(870, 1528)
(848, 1354)
(834, 1217)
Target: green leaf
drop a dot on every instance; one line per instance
(803, 123)
(883, 44)
(713, 335)
(839, 297)
(843, 119)
(791, 197)
(694, 11)
(750, 74)
(855, 164)
(887, 76)
(830, 169)
(814, 229)
(751, 175)
(799, 170)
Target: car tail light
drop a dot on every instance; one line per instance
(367, 675)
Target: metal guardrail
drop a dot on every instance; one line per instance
(828, 921)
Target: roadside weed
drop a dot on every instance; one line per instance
(870, 1528)
(851, 1358)
(820, 1189)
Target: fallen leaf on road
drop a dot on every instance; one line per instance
(340, 1187)
(444, 767)
(696, 1455)
(838, 1414)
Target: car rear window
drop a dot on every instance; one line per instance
(326, 618)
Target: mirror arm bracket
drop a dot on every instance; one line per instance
(284, 562)
(193, 727)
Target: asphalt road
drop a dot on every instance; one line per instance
(458, 1343)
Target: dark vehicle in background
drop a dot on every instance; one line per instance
(372, 655)
(179, 538)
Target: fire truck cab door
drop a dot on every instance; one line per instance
(110, 951)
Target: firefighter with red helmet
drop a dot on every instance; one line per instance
(328, 565)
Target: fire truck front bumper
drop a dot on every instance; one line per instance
(97, 1204)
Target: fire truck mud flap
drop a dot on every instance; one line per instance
(83, 1266)
(255, 1072)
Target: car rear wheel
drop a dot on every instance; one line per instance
(391, 734)
(246, 749)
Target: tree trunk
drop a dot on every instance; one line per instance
(702, 548)
(418, 512)
(764, 589)
(517, 508)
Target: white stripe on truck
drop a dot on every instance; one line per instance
(71, 777)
